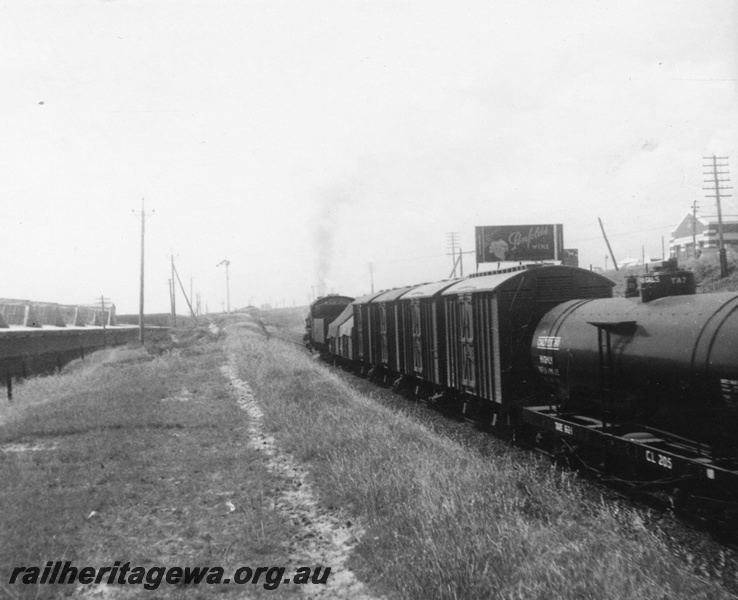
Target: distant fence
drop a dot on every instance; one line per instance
(26, 352)
(26, 313)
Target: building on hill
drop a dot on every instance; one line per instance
(697, 235)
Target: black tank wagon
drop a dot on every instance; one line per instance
(655, 382)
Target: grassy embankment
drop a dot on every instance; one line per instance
(130, 457)
(443, 522)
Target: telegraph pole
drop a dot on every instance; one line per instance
(227, 262)
(174, 295)
(694, 229)
(604, 235)
(371, 275)
(103, 318)
(141, 299)
(170, 286)
(188, 300)
(452, 243)
(718, 188)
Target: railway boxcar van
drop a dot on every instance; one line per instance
(340, 334)
(386, 343)
(363, 327)
(490, 320)
(425, 335)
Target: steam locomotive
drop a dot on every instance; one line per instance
(645, 386)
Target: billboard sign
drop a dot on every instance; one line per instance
(519, 242)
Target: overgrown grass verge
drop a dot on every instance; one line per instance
(443, 522)
(135, 459)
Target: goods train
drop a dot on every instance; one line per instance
(642, 387)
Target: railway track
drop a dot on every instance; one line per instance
(286, 338)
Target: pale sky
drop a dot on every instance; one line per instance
(305, 140)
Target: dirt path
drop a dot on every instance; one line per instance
(327, 539)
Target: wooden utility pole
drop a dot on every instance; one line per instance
(694, 229)
(170, 285)
(452, 243)
(103, 318)
(227, 262)
(189, 304)
(141, 299)
(614, 262)
(102, 300)
(174, 295)
(718, 188)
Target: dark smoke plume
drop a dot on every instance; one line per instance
(329, 207)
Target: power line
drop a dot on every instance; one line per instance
(613, 235)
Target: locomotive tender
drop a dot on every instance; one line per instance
(646, 387)
(323, 311)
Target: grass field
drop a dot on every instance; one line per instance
(134, 458)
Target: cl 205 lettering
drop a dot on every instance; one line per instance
(658, 459)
